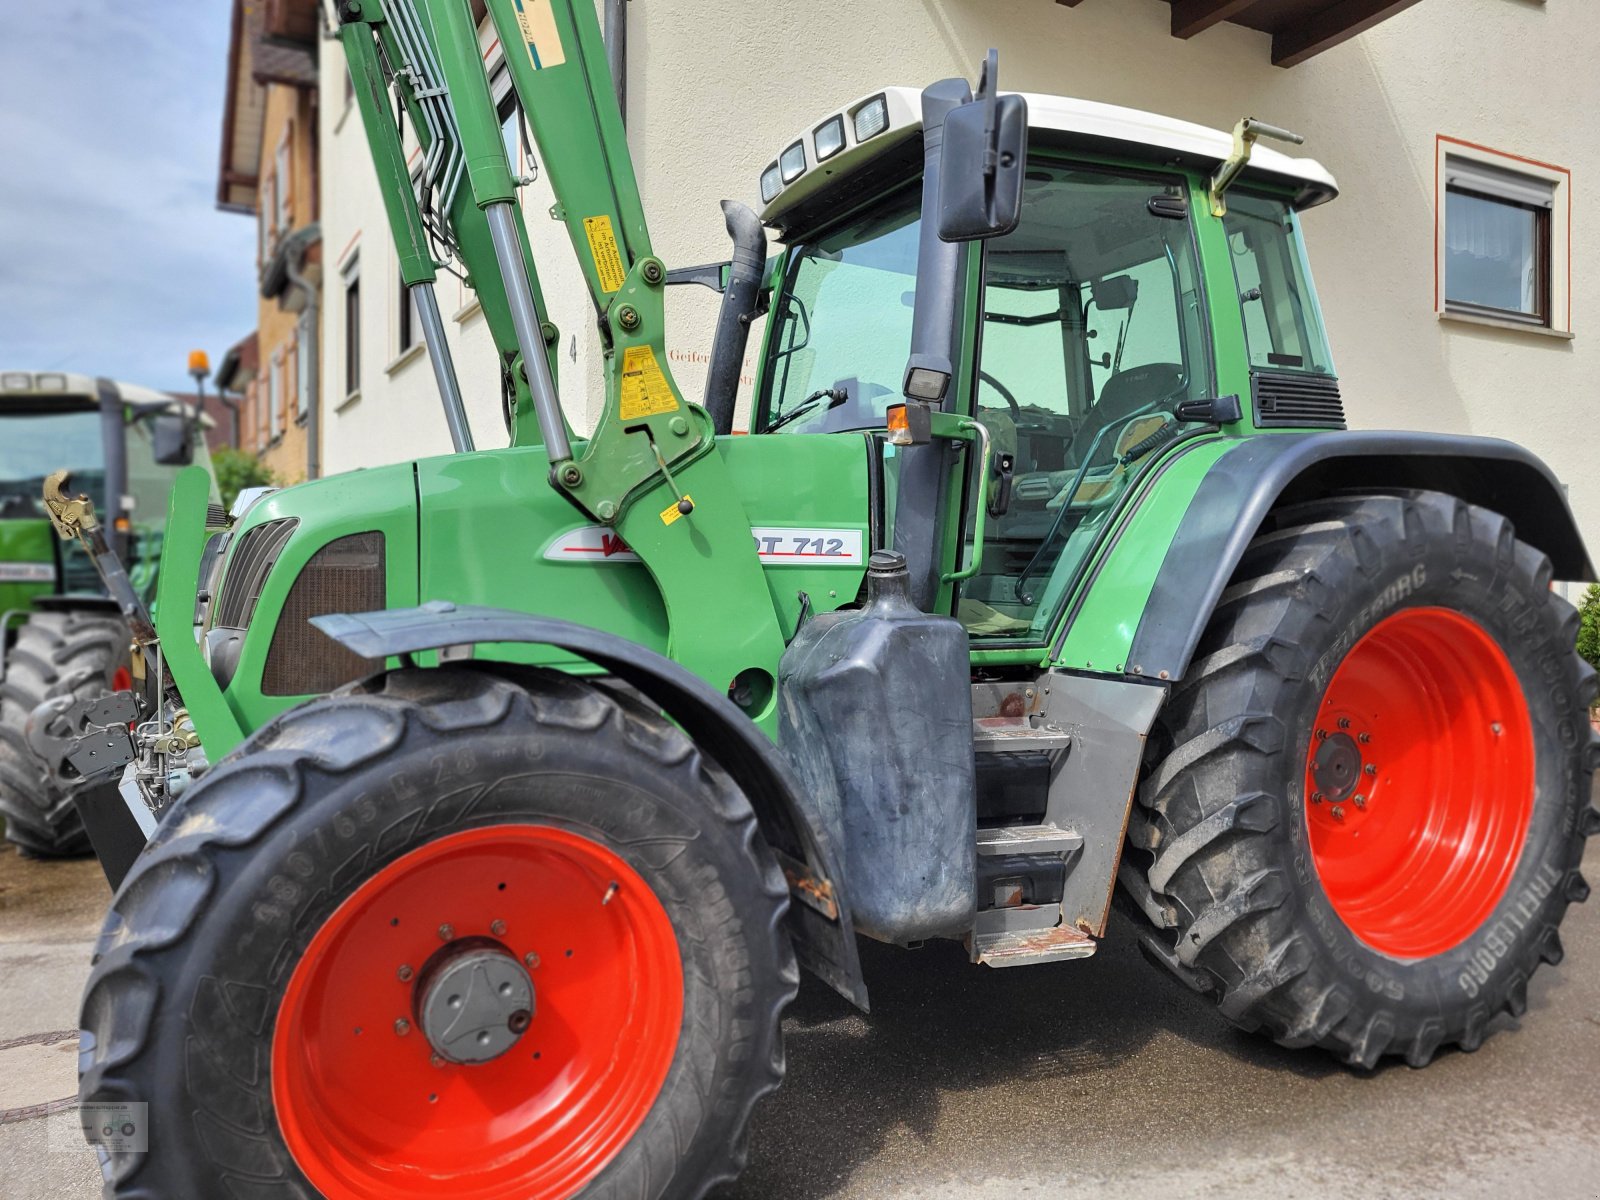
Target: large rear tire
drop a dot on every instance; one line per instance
(55, 654)
(1364, 806)
(280, 975)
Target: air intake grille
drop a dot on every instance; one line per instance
(346, 575)
(1298, 400)
(248, 570)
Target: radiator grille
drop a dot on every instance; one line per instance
(1300, 400)
(346, 575)
(248, 570)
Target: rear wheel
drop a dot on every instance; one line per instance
(454, 936)
(1365, 805)
(55, 654)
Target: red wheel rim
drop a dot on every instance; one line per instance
(1419, 782)
(364, 1108)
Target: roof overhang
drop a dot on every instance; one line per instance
(1300, 29)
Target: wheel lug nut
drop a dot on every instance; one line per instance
(1495, 726)
(1316, 797)
(446, 932)
(1363, 738)
(1370, 769)
(1360, 801)
(498, 929)
(1338, 812)
(402, 1027)
(1344, 722)
(404, 973)
(436, 1061)
(1322, 735)
(530, 959)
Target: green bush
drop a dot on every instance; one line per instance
(237, 470)
(1589, 628)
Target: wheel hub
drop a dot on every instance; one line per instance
(1336, 766)
(474, 1001)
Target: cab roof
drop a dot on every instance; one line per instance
(1056, 121)
(43, 385)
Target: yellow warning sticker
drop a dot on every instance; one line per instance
(672, 512)
(645, 390)
(607, 258)
(538, 26)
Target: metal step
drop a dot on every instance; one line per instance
(1025, 947)
(1011, 735)
(1029, 839)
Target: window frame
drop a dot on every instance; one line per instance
(350, 287)
(1553, 237)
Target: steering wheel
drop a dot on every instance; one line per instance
(1005, 394)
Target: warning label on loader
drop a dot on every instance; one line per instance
(538, 25)
(607, 258)
(645, 391)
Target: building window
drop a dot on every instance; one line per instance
(303, 369)
(352, 327)
(275, 397)
(1502, 245)
(407, 323)
(282, 181)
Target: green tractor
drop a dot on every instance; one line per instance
(62, 636)
(1048, 574)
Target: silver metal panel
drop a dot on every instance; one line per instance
(1092, 789)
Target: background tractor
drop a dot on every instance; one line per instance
(1049, 573)
(62, 635)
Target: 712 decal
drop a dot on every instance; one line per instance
(778, 547)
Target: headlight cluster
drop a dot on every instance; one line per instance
(865, 120)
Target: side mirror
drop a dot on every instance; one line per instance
(982, 163)
(169, 440)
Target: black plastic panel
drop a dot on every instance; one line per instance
(1297, 401)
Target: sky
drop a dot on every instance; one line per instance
(113, 257)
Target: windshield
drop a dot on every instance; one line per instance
(844, 324)
(34, 443)
(1281, 323)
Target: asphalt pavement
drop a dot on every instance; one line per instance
(1091, 1078)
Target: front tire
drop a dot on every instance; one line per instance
(56, 654)
(1364, 806)
(268, 980)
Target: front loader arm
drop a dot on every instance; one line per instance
(650, 469)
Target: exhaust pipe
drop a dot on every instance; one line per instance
(741, 300)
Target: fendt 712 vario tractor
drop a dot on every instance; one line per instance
(63, 639)
(1049, 572)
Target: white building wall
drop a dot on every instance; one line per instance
(717, 88)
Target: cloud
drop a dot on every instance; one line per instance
(113, 257)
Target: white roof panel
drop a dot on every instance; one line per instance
(1087, 121)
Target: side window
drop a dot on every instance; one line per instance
(1282, 326)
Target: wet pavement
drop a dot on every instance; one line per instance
(1096, 1077)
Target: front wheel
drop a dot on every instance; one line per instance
(56, 654)
(1365, 804)
(446, 935)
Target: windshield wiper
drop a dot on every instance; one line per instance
(835, 396)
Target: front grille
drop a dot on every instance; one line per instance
(346, 575)
(1297, 400)
(248, 570)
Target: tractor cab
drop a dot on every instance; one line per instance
(1091, 333)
